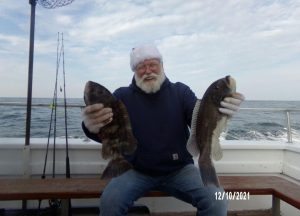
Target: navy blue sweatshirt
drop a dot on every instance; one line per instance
(160, 124)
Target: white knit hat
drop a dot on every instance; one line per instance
(141, 53)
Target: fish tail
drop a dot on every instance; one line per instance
(208, 174)
(116, 167)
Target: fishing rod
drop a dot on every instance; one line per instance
(68, 174)
(54, 203)
(58, 56)
(53, 109)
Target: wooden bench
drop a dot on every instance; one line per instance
(77, 188)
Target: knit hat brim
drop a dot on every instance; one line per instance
(141, 53)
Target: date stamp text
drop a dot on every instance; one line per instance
(236, 195)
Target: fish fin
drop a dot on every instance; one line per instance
(209, 175)
(115, 167)
(129, 144)
(192, 146)
(105, 149)
(216, 149)
(192, 141)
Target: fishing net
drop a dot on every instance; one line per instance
(54, 3)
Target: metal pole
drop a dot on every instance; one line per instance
(275, 206)
(289, 131)
(30, 72)
(29, 92)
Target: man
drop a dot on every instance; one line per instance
(160, 113)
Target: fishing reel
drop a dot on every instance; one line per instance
(54, 203)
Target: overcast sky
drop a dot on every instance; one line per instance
(255, 41)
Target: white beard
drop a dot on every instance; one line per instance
(153, 85)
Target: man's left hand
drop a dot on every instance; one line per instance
(230, 105)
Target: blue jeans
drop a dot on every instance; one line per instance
(185, 184)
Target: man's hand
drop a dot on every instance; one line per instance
(96, 116)
(230, 105)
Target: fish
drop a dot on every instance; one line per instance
(116, 137)
(206, 126)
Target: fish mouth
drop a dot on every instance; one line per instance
(231, 83)
(88, 85)
(87, 88)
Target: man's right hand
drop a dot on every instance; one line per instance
(96, 116)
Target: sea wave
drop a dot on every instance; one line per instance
(246, 125)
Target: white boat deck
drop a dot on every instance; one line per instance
(239, 157)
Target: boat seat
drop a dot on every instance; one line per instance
(76, 188)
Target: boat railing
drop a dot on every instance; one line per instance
(286, 111)
(41, 104)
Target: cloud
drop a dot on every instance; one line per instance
(11, 40)
(201, 41)
(64, 20)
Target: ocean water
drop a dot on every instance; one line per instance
(247, 124)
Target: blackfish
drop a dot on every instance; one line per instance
(206, 127)
(116, 137)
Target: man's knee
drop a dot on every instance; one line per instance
(211, 204)
(114, 196)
